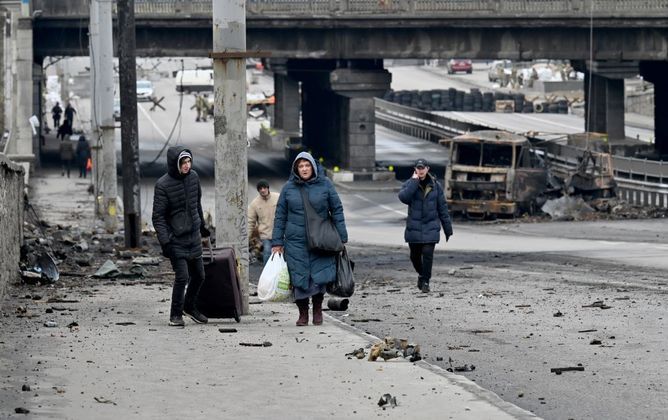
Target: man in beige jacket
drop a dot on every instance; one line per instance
(261, 217)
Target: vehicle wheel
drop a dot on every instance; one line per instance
(451, 72)
(469, 71)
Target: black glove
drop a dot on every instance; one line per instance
(204, 232)
(167, 250)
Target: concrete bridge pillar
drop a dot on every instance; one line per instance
(655, 72)
(604, 102)
(23, 88)
(287, 105)
(338, 114)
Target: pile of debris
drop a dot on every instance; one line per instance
(51, 252)
(391, 348)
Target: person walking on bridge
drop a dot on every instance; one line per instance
(261, 217)
(427, 212)
(310, 271)
(179, 222)
(56, 111)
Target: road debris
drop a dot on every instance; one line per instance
(558, 371)
(103, 400)
(338, 304)
(227, 330)
(262, 344)
(558, 314)
(21, 410)
(358, 353)
(463, 368)
(387, 399)
(598, 304)
(391, 348)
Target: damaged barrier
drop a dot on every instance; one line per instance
(11, 220)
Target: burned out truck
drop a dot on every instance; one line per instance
(495, 173)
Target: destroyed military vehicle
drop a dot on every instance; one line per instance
(495, 173)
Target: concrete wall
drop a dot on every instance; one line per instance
(11, 221)
(641, 103)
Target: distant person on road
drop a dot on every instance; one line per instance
(179, 222)
(56, 111)
(69, 114)
(261, 217)
(310, 271)
(202, 108)
(66, 151)
(427, 212)
(83, 154)
(65, 130)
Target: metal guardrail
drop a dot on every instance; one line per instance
(640, 181)
(367, 8)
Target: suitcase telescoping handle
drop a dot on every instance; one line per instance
(210, 248)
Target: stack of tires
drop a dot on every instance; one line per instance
(473, 101)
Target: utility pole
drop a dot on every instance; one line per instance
(94, 48)
(129, 130)
(229, 72)
(105, 57)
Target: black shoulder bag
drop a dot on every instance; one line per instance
(321, 233)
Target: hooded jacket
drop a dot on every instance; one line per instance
(290, 226)
(427, 211)
(177, 208)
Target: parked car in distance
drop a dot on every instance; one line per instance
(456, 65)
(117, 109)
(493, 72)
(144, 90)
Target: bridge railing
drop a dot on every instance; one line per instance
(366, 8)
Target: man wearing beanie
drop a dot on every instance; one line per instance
(261, 217)
(179, 222)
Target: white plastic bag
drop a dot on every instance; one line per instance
(274, 283)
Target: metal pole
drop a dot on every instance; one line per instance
(229, 36)
(105, 57)
(94, 48)
(129, 129)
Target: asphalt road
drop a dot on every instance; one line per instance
(496, 287)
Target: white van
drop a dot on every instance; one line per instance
(200, 80)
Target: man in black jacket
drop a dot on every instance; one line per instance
(427, 213)
(179, 223)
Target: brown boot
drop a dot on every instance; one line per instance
(302, 304)
(317, 309)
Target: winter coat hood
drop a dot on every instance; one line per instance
(318, 171)
(174, 154)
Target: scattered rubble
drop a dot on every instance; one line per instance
(387, 399)
(391, 348)
(558, 371)
(262, 344)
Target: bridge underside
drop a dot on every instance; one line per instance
(394, 39)
(332, 70)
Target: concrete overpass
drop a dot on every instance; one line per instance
(327, 54)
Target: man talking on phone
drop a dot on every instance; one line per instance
(427, 212)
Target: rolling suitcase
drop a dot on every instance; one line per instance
(220, 295)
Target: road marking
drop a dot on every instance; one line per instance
(382, 206)
(152, 122)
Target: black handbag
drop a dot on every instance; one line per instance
(344, 285)
(321, 233)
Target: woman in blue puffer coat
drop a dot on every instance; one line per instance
(309, 271)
